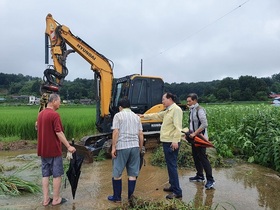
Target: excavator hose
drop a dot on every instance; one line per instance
(52, 75)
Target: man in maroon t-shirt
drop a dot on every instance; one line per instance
(50, 136)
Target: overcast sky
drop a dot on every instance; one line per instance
(178, 40)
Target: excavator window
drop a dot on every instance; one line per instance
(143, 93)
(139, 92)
(120, 92)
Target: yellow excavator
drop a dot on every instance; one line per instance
(144, 92)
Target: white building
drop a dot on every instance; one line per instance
(33, 100)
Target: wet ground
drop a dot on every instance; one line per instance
(244, 186)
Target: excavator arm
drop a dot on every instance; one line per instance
(144, 92)
(58, 36)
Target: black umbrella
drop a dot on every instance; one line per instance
(142, 160)
(142, 153)
(74, 171)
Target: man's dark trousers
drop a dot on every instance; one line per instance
(171, 162)
(201, 162)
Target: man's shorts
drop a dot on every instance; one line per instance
(129, 158)
(52, 167)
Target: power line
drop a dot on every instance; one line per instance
(198, 31)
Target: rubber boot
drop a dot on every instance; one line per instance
(131, 188)
(117, 189)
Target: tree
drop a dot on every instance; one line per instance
(35, 88)
(261, 85)
(261, 96)
(26, 89)
(223, 94)
(236, 95)
(208, 99)
(247, 95)
(247, 82)
(276, 77)
(229, 83)
(275, 87)
(245, 88)
(15, 88)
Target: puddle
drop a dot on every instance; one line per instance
(245, 186)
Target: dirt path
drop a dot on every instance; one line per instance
(17, 145)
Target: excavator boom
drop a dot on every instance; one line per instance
(59, 36)
(144, 92)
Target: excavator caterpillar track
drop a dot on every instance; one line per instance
(91, 146)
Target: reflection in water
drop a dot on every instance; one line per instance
(263, 179)
(209, 197)
(203, 197)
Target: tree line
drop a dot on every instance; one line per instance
(245, 88)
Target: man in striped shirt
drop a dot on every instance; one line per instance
(127, 142)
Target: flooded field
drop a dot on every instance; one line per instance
(244, 186)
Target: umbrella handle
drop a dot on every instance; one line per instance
(65, 184)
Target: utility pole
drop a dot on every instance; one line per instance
(141, 66)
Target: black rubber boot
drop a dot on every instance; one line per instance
(131, 187)
(117, 189)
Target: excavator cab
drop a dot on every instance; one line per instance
(143, 92)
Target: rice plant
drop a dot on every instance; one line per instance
(19, 121)
(13, 185)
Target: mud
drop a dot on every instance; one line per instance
(244, 186)
(17, 145)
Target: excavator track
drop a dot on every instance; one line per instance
(90, 146)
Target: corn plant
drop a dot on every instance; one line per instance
(250, 131)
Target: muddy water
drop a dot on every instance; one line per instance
(244, 186)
